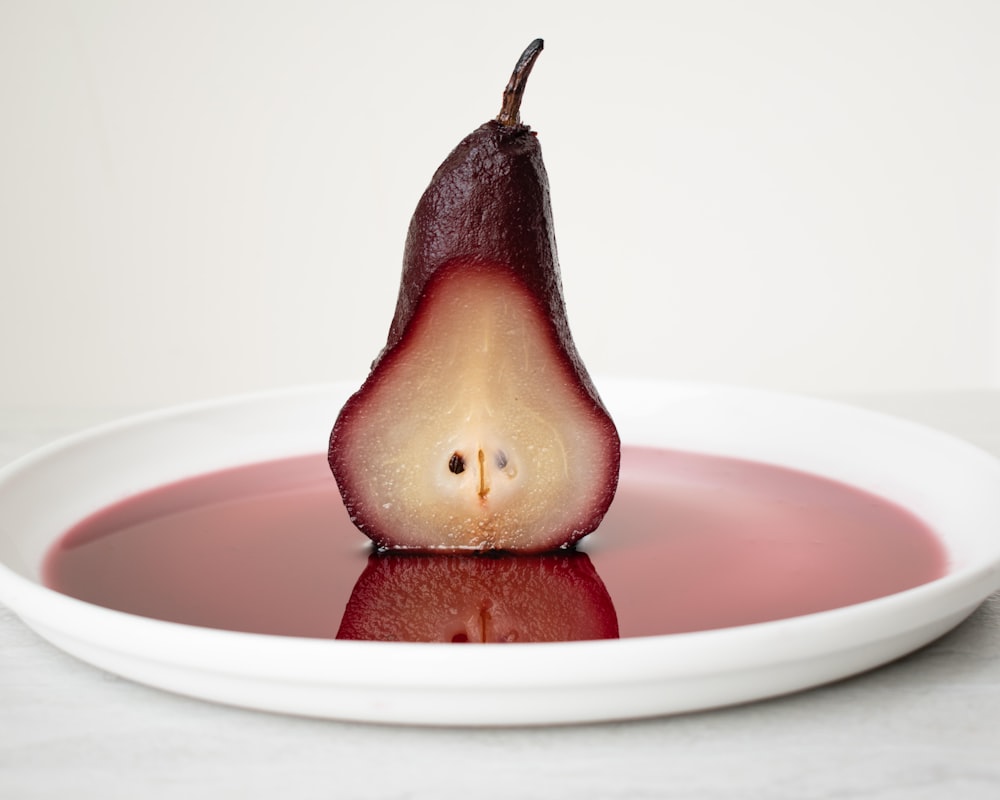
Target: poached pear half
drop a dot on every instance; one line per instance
(479, 427)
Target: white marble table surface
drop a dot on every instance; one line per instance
(927, 726)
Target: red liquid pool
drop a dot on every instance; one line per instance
(691, 542)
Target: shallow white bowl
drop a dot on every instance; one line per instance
(953, 486)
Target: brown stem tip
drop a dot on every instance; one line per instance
(510, 110)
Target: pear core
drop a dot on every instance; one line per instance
(474, 434)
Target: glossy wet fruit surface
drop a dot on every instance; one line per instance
(478, 599)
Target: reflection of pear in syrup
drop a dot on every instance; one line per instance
(552, 597)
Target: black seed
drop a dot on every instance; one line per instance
(456, 464)
(501, 459)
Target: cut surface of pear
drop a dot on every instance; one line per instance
(473, 433)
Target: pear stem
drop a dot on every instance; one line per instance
(510, 110)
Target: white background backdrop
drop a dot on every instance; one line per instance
(199, 198)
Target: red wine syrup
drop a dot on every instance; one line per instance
(691, 542)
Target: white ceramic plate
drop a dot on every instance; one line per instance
(953, 486)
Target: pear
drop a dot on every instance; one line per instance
(550, 597)
(478, 427)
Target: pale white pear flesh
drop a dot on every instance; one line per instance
(473, 433)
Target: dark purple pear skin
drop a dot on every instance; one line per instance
(487, 204)
(481, 370)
